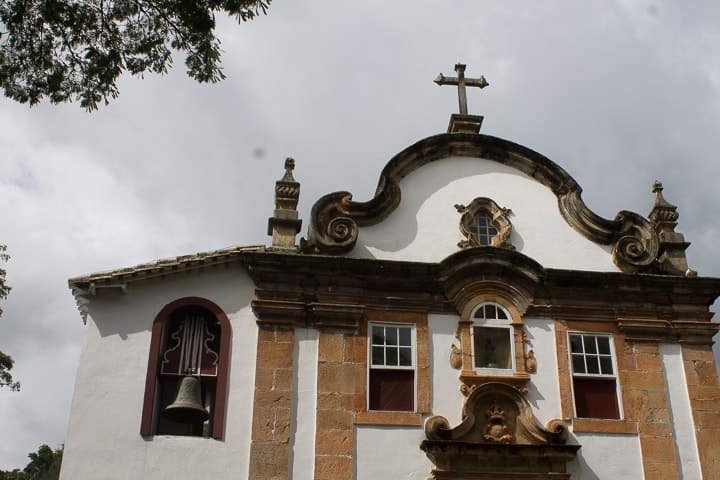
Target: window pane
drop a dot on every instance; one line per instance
(492, 347)
(392, 390)
(604, 345)
(592, 364)
(578, 362)
(576, 344)
(378, 356)
(405, 357)
(501, 314)
(490, 311)
(391, 356)
(378, 335)
(606, 365)
(595, 398)
(391, 336)
(589, 342)
(405, 337)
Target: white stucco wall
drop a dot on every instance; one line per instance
(304, 414)
(425, 226)
(103, 440)
(445, 396)
(607, 456)
(544, 387)
(682, 418)
(390, 453)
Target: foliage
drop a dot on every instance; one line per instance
(6, 362)
(76, 49)
(44, 465)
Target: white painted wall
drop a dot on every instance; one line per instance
(304, 415)
(103, 440)
(445, 397)
(607, 456)
(544, 387)
(390, 453)
(682, 418)
(425, 226)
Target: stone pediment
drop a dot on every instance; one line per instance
(499, 437)
(336, 220)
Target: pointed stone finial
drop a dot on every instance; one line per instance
(664, 218)
(663, 214)
(284, 225)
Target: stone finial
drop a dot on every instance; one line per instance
(284, 225)
(663, 217)
(663, 214)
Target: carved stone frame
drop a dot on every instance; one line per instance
(469, 377)
(498, 215)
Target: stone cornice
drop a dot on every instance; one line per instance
(632, 302)
(336, 219)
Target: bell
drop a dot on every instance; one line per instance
(188, 406)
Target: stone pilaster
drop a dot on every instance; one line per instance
(270, 447)
(704, 394)
(340, 390)
(645, 401)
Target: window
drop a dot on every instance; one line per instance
(484, 224)
(492, 339)
(187, 370)
(594, 376)
(391, 376)
(483, 230)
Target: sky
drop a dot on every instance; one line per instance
(619, 93)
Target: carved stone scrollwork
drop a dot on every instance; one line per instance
(499, 437)
(332, 230)
(500, 404)
(335, 218)
(638, 244)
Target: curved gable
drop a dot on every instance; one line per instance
(458, 168)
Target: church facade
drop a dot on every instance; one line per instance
(475, 319)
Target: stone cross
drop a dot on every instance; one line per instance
(461, 83)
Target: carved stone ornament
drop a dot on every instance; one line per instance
(499, 437)
(336, 219)
(500, 220)
(455, 357)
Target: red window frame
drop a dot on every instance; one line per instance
(150, 412)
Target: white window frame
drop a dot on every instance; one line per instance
(600, 376)
(413, 358)
(505, 324)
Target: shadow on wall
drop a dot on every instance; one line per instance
(418, 186)
(122, 314)
(579, 467)
(534, 395)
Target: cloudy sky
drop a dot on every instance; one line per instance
(619, 93)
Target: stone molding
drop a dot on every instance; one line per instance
(332, 292)
(336, 219)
